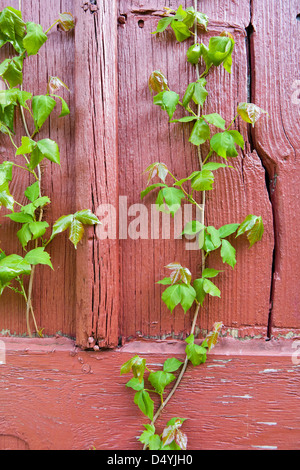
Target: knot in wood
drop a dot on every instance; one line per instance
(92, 6)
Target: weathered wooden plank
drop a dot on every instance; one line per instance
(97, 271)
(145, 137)
(244, 397)
(53, 295)
(275, 88)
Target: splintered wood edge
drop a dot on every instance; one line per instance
(225, 347)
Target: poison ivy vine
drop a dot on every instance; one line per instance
(181, 290)
(27, 39)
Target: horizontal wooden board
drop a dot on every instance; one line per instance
(54, 396)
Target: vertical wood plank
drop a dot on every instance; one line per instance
(276, 88)
(54, 293)
(145, 137)
(97, 272)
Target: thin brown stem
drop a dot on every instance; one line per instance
(29, 307)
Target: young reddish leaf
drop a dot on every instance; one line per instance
(249, 112)
(157, 82)
(66, 22)
(157, 169)
(179, 273)
(181, 439)
(212, 337)
(137, 365)
(56, 84)
(76, 232)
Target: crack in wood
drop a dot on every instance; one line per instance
(269, 178)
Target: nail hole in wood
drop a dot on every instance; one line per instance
(298, 17)
(141, 23)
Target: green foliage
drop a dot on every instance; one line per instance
(27, 40)
(222, 141)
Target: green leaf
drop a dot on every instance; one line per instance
(212, 166)
(34, 38)
(189, 93)
(179, 294)
(195, 353)
(24, 235)
(32, 192)
(27, 146)
(188, 295)
(185, 119)
(12, 267)
(200, 292)
(7, 116)
(163, 24)
(194, 54)
(209, 273)
(168, 101)
(210, 288)
(151, 188)
(6, 199)
(76, 232)
(254, 227)
(147, 434)
(172, 364)
(181, 31)
(11, 71)
(172, 296)
(86, 217)
(193, 227)
(5, 172)
(214, 236)
(200, 93)
(49, 149)
(65, 111)
(215, 119)
(42, 107)
(169, 200)
(223, 144)
(238, 138)
(12, 28)
(203, 180)
(38, 229)
(202, 19)
(20, 218)
(38, 256)
(228, 253)
(31, 208)
(200, 132)
(62, 224)
(11, 23)
(159, 380)
(228, 230)
(135, 384)
(165, 282)
(145, 403)
(219, 51)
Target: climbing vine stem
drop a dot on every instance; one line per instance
(180, 288)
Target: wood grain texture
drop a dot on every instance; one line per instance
(53, 295)
(97, 268)
(275, 87)
(145, 137)
(57, 397)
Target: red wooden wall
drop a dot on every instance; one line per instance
(107, 289)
